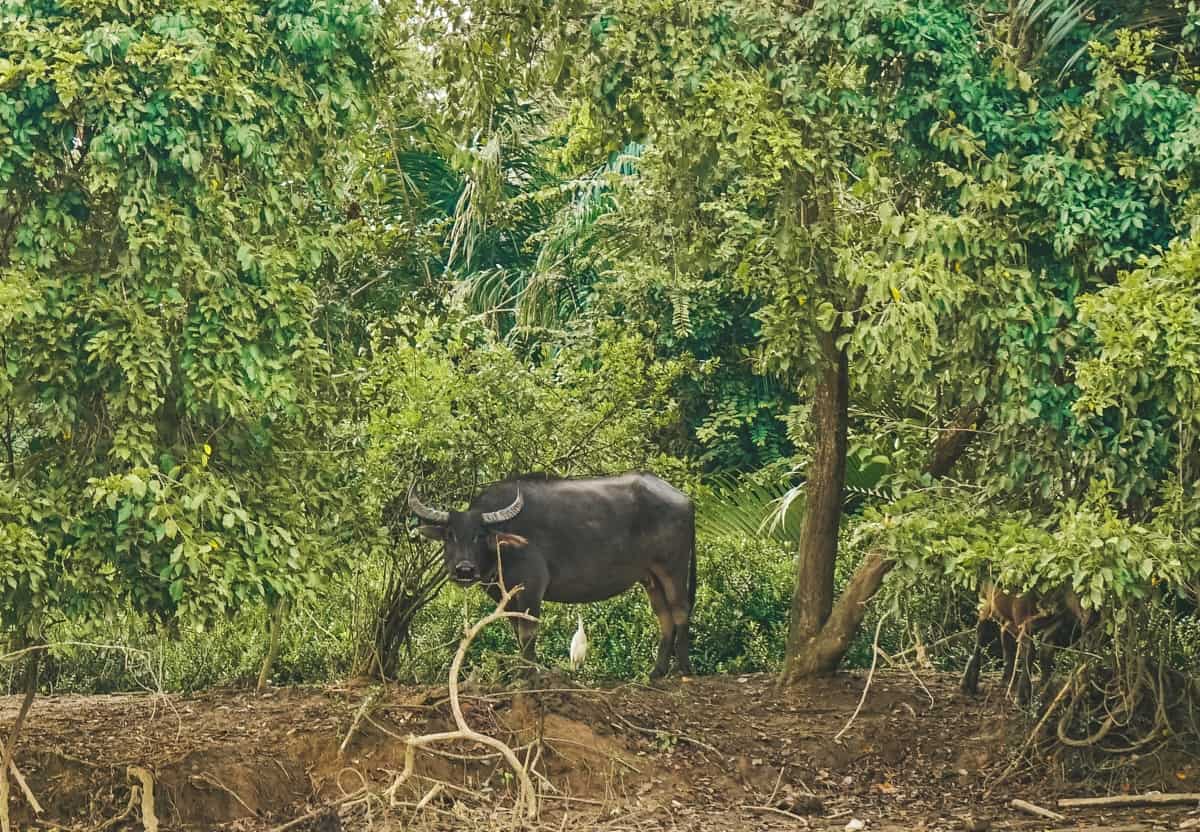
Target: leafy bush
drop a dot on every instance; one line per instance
(128, 653)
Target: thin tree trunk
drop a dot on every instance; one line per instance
(812, 598)
(278, 612)
(6, 755)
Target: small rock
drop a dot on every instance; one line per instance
(855, 825)
(804, 804)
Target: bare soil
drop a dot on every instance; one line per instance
(713, 753)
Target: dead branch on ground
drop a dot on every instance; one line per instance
(1147, 799)
(1033, 809)
(870, 675)
(528, 801)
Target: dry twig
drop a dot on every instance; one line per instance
(346, 798)
(658, 732)
(29, 795)
(10, 747)
(205, 777)
(870, 675)
(367, 703)
(528, 798)
(776, 811)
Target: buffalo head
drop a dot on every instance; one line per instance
(470, 540)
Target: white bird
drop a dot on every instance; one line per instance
(579, 646)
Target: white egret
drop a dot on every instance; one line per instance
(579, 646)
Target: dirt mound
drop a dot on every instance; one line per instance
(711, 753)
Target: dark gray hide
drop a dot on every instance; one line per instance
(575, 541)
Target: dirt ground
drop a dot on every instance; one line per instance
(713, 753)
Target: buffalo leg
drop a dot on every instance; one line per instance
(970, 679)
(673, 587)
(1008, 646)
(1046, 662)
(1024, 668)
(529, 601)
(666, 627)
(526, 630)
(683, 642)
(527, 639)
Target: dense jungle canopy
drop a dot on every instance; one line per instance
(904, 293)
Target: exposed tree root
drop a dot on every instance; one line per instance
(528, 801)
(146, 779)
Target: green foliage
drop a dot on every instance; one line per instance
(456, 409)
(234, 275)
(160, 170)
(1112, 563)
(126, 653)
(752, 508)
(451, 408)
(1142, 387)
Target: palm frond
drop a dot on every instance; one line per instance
(571, 232)
(479, 197)
(1038, 29)
(742, 508)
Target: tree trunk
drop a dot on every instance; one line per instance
(820, 632)
(278, 613)
(812, 599)
(9, 750)
(822, 653)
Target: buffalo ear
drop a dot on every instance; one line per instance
(432, 532)
(507, 539)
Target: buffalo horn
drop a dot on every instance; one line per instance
(504, 513)
(423, 511)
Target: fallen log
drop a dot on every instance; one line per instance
(1147, 799)
(1034, 809)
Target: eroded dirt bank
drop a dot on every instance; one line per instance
(716, 753)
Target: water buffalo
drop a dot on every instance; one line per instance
(1056, 618)
(576, 541)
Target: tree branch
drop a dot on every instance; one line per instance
(953, 441)
(464, 732)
